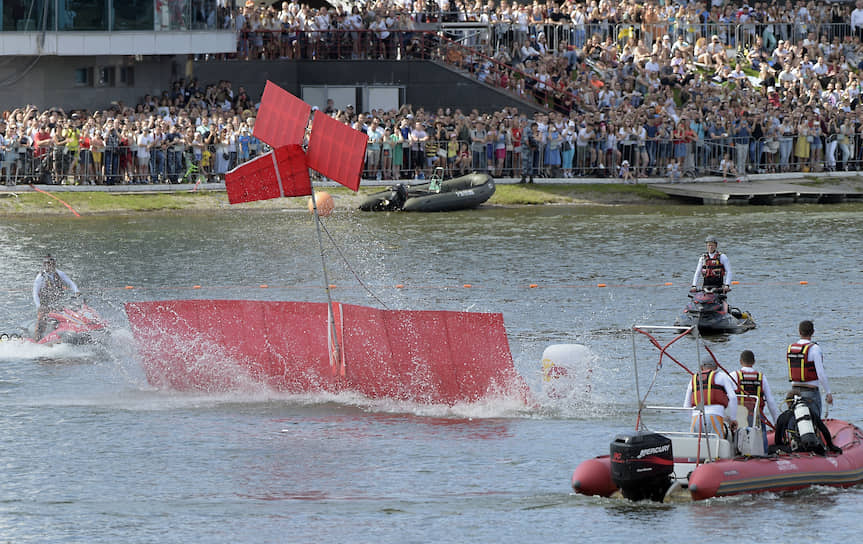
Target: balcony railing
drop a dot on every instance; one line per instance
(111, 15)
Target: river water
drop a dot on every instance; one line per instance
(91, 453)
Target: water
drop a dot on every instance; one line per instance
(91, 453)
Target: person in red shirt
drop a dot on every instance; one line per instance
(515, 137)
(773, 97)
(41, 141)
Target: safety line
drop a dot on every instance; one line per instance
(408, 286)
(38, 190)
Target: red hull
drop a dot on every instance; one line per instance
(593, 477)
(424, 356)
(783, 472)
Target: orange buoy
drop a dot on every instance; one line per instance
(264, 286)
(467, 286)
(399, 286)
(533, 286)
(325, 203)
(668, 283)
(804, 282)
(196, 287)
(600, 285)
(735, 282)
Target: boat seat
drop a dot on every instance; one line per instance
(686, 446)
(742, 417)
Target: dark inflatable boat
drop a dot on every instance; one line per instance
(435, 196)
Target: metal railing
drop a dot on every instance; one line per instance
(494, 38)
(125, 164)
(499, 156)
(399, 45)
(115, 15)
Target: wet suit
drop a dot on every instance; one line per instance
(786, 427)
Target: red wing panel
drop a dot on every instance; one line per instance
(259, 180)
(232, 345)
(428, 357)
(282, 117)
(253, 180)
(336, 151)
(293, 171)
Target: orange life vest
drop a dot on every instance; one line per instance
(712, 270)
(749, 383)
(705, 389)
(800, 368)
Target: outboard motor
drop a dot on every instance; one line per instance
(809, 440)
(641, 465)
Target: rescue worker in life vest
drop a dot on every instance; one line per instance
(806, 368)
(752, 388)
(716, 391)
(48, 290)
(714, 269)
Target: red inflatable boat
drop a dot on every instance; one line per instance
(675, 466)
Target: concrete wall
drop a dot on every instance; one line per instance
(426, 83)
(50, 81)
(141, 42)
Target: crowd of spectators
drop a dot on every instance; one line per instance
(664, 86)
(770, 84)
(187, 134)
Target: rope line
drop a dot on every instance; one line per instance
(401, 286)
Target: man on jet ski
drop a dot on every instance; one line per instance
(48, 290)
(715, 269)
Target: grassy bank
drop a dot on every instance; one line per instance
(89, 203)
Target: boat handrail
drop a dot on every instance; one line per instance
(743, 412)
(689, 444)
(692, 434)
(666, 408)
(661, 327)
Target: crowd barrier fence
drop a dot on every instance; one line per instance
(501, 158)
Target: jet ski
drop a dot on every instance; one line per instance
(75, 323)
(705, 312)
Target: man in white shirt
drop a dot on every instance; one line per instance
(681, 45)
(714, 267)
(48, 287)
(711, 385)
(652, 66)
(806, 368)
(857, 19)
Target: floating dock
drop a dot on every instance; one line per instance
(758, 192)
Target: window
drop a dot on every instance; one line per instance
(127, 76)
(84, 77)
(107, 76)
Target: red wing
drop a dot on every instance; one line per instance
(258, 179)
(282, 117)
(336, 151)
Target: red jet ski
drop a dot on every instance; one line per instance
(76, 323)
